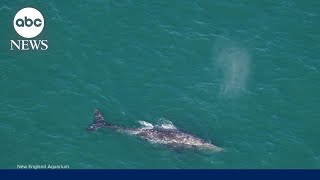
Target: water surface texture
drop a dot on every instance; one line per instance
(243, 74)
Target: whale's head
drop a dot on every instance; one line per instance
(211, 147)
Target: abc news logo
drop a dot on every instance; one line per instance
(28, 23)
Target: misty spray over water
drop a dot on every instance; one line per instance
(233, 66)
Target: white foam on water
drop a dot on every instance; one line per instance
(165, 124)
(146, 125)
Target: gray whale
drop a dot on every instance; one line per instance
(172, 136)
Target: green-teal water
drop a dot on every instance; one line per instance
(243, 74)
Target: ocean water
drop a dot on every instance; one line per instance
(243, 74)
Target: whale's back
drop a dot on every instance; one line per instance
(171, 137)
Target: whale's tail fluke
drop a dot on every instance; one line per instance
(98, 121)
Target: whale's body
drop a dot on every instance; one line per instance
(169, 136)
